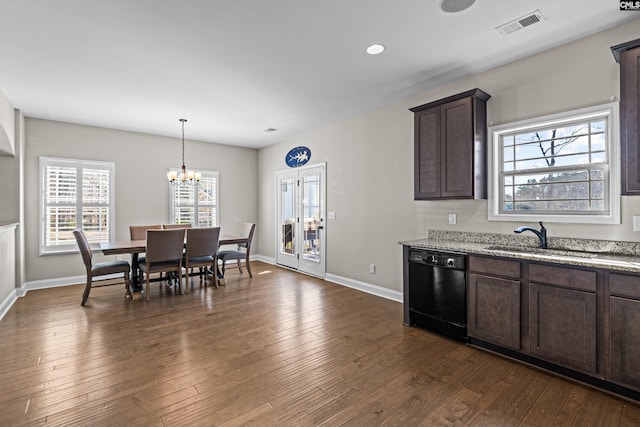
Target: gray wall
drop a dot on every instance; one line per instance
(370, 160)
(142, 190)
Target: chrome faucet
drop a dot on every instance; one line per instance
(542, 234)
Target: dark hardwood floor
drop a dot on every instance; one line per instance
(277, 350)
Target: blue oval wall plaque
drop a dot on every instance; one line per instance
(297, 156)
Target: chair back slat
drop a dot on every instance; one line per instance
(247, 230)
(202, 242)
(139, 232)
(85, 248)
(164, 245)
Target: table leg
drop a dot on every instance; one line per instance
(136, 285)
(220, 276)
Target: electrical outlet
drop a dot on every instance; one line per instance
(453, 218)
(372, 268)
(636, 223)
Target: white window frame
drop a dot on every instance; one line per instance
(172, 199)
(608, 111)
(79, 166)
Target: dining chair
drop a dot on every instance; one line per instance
(164, 254)
(242, 253)
(202, 251)
(100, 269)
(175, 227)
(139, 232)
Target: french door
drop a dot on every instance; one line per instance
(300, 217)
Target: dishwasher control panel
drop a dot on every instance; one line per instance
(441, 259)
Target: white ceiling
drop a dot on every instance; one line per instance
(237, 67)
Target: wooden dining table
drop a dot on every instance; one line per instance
(135, 247)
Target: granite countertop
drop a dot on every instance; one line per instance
(608, 254)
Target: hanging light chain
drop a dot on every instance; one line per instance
(191, 177)
(183, 164)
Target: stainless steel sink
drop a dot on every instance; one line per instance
(547, 252)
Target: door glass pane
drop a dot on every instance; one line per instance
(288, 220)
(311, 217)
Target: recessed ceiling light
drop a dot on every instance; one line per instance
(453, 6)
(375, 49)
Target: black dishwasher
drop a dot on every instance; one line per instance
(438, 292)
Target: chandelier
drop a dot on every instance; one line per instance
(183, 177)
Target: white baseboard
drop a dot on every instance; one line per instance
(345, 281)
(74, 280)
(8, 302)
(365, 287)
(264, 259)
(53, 283)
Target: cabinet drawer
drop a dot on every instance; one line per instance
(624, 285)
(570, 278)
(495, 267)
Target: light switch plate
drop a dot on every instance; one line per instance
(332, 215)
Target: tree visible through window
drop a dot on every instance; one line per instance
(75, 194)
(555, 168)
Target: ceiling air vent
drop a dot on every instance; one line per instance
(520, 23)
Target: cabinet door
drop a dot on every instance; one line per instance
(562, 326)
(625, 341)
(457, 149)
(427, 154)
(630, 120)
(493, 310)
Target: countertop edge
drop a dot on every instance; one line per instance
(602, 261)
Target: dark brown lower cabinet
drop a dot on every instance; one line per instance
(493, 310)
(624, 306)
(563, 326)
(580, 322)
(625, 341)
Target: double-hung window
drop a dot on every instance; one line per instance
(75, 194)
(560, 168)
(196, 205)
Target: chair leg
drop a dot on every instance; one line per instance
(239, 266)
(180, 280)
(249, 267)
(187, 285)
(224, 266)
(148, 285)
(87, 289)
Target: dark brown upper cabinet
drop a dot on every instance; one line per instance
(450, 147)
(628, 55)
